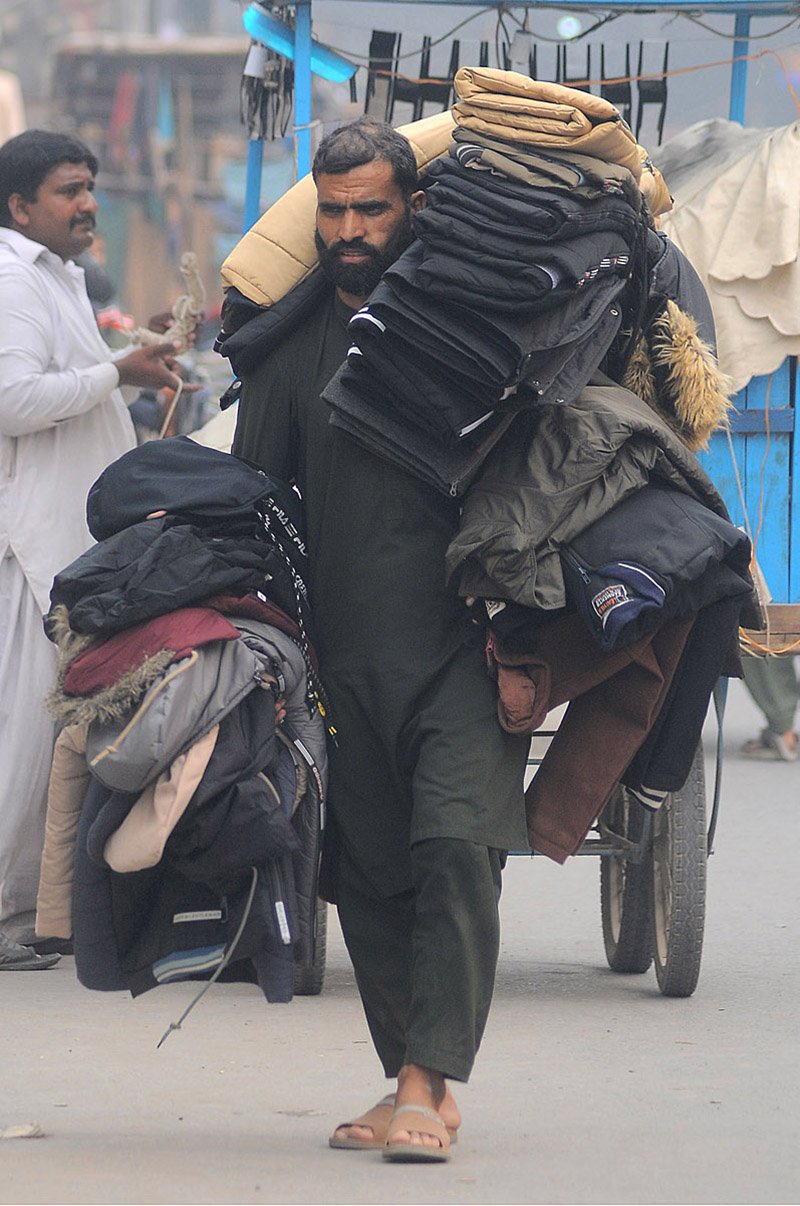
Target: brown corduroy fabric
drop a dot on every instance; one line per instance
(615, 697)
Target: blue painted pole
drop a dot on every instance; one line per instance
(302, 88)
(252, 188)
(741, 35)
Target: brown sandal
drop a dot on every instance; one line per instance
(769, 747)
(425, 1121)
(377, 1119)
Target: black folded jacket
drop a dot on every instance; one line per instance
(382, 429)
(527, 284)
(656, 555)
(458, 398)
(494, 344)
(495, 351)
(157, 566)
(547, 213)
(200, 485)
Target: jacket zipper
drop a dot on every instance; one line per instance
(276, 884)
(576, 564)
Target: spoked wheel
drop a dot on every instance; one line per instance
(625, 890)
(679, 854)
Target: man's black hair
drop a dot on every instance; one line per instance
(362, 141)
(26, 159)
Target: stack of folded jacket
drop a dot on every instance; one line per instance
(510, 105)
(509, 296)
(179, 790)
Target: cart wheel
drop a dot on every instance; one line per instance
(308, 978)
(679, 854)
(625, 889)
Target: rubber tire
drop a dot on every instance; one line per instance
(309, 978)
(625, 892)
(679, 859)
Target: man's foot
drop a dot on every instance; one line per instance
(52, 946)
(418, 1131)
(366, 1132)
(14, 957)
(416, 1135)
(369, 1131)
(771, 747)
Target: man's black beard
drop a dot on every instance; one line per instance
(360, 279)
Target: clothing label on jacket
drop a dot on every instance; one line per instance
(200, 915)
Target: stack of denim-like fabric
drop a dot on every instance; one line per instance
(509, 297)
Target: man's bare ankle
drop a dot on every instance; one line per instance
(413, 1080)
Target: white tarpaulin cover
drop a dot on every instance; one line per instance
(737, 218)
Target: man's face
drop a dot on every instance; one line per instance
(363, 225)
(63, 214)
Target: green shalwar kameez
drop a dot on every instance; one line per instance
(422, 773)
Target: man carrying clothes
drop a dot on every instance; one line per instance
(425, 788)
(62, 420)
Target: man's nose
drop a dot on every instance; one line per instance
(352, 226)
(88, 202)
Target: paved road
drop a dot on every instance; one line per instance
(591, 1087)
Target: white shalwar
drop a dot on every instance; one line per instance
(62, 421)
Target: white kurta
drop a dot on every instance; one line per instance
(62, 420)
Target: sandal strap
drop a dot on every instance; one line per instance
(386, 1102)
(423, 1110)
(424, 1120)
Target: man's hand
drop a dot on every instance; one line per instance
(160, 322)
(151, 367)
(163, 321)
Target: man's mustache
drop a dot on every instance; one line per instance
(356, 245)
(84, 220)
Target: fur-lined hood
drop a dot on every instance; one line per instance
(676, 373)
(111, 703)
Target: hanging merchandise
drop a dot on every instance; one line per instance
(267, 93)
(276, 29)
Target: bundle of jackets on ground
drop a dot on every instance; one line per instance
(183, 822)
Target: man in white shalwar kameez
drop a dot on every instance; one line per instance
(62, 421)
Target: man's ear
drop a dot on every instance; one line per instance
(417, 201)
(18, 207)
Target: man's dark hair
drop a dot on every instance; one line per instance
(26, 159)
(362, 141)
